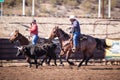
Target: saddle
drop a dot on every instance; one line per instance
(83, 37)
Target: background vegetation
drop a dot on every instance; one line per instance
(60, 7)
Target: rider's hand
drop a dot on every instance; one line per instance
(71, 36)
(26, 29)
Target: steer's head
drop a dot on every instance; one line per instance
(21, 51)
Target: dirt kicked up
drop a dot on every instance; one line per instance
(97, 72)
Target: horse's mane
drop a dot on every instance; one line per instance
(24, 40)
(65, 34)
(22, 35)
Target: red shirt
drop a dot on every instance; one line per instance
(34, 29)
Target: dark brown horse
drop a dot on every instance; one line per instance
(16, 36)
(86, 46)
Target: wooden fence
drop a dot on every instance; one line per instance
(7, 50)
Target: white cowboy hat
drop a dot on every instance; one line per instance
(72, 17)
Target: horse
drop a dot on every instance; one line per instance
(86, 46)
(17, 36)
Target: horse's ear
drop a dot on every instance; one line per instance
(17, 31)
(57, 27)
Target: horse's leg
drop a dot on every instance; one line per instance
(29, 61)
(49, 60)
(43, 61)
(36, 62)
(60, 58)
(84, 58)
(55, 61)
(88, 58)
(67, 58)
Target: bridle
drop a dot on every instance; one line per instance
(58, 34)
(18, 38)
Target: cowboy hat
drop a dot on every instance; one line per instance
(72, 17)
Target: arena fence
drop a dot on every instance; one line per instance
(8, 51)
(8, 55)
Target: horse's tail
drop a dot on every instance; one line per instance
(101, 44)
(105, 45)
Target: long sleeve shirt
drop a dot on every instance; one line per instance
(34, 29)
(75, 27)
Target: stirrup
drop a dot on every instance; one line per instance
(74, 49)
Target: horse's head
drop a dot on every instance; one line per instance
(58, 32)
(14, 36)
(54, 33)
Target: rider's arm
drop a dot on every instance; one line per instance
(33, 28)
(74, 25)
(71, 33)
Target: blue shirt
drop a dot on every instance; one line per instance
(76, 27)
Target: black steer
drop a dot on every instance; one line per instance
(35, 51)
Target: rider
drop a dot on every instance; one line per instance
(34, 32)
(76, 32)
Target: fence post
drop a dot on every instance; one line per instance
(109, 8)
(23, 8)
(99, 8)
(33, 7)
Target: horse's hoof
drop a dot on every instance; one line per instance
(71, 67)
(29, 66)
(54, 64)
(47, 64)
(61, 64)
(36, 67)
(40, 64)
(78, 68)
(71, 63)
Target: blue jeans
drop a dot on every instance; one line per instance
(34, 39)
(76, 36)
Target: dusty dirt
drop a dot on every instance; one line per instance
(91, 72)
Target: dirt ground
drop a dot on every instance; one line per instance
(91, 72)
